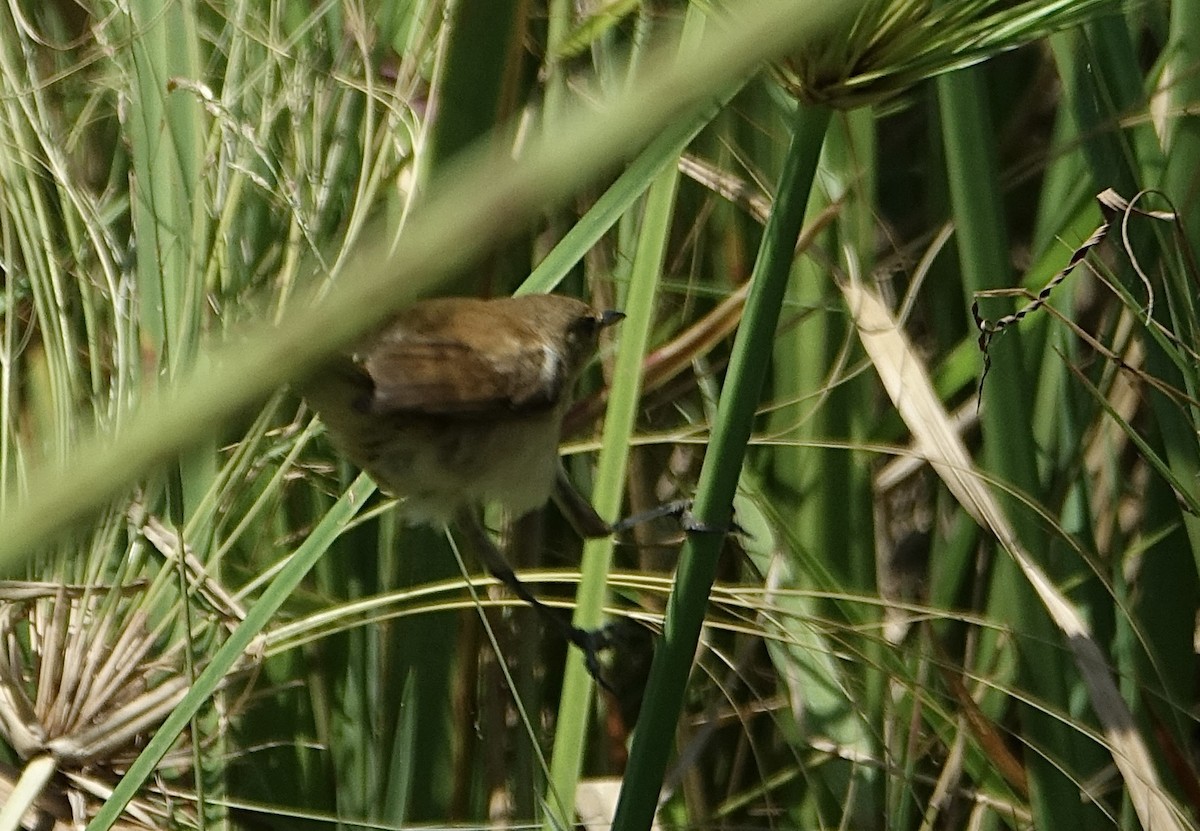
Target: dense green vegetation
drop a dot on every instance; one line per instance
(938, 604)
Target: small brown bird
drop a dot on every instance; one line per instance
(459, 402)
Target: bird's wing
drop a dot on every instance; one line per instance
(429, 375)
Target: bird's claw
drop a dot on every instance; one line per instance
(591, 642)
(682, 510)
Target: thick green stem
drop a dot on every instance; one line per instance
(652, 739)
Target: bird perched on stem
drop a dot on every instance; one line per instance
(459, 402)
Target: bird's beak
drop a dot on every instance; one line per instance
(608, 318)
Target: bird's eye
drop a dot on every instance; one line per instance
(585, 328)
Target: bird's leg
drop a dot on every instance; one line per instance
(589, 641)
(579, 512)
